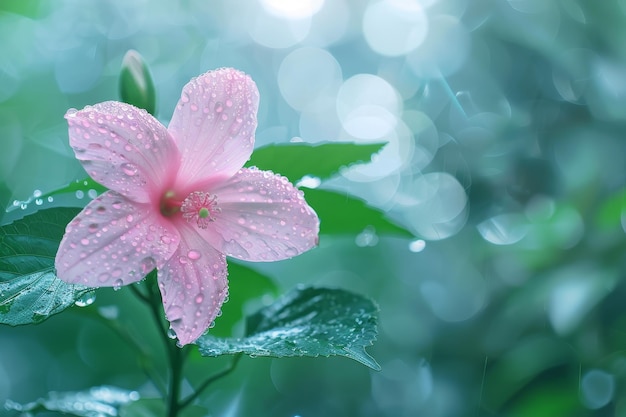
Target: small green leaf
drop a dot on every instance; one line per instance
(30, 292)
(246, 286)
(78, 185)
(101, 401)
(136, 86)
(295, 160)
(305, 322)
(344, 214)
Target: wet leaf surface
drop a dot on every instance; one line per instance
(305, 322)
(30, 291)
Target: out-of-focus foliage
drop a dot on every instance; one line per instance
(504, 122)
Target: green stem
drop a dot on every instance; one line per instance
(176, 355)
(184, 403)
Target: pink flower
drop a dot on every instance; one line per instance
(179, 199)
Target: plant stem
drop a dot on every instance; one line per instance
(184, 403)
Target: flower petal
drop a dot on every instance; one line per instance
(123, 148)
(262, 217)
(114, 242)
(214, 124)
(193, 286)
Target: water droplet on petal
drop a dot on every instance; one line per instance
(218, 107)
(147, 265)
(86, 299)
(104, 277)
(291, 252)
(84, 241)
(118, 284)
(193, 255)
(129, 169)
(171, 333)
(174, 313)
(199, 298)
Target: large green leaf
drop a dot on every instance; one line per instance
(305, 322)
(101, 401)
(30, 292)
(295, 160)
(342, 214)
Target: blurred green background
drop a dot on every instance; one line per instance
(505, 122)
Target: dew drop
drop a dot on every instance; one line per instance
(104, 277)
(129, 169)
(118, 284)
(174, 313)
(147, 264)
(84, 241)
(194, 255)
(199, 298)
(218, 107)
(86, 299)
(171, 333)
(93, 228)
(129, 218)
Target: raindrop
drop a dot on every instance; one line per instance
(80, 194)
(171, 333)
(39, 201)
(367, 237)
(199, 298)
(147, 264)
(194, 255)
(218, 107)
(118, 284)
(129, 169)
(37, 193)
(291, 252)
(417, 245)
(86, 299)
(309, 181)
(50, 199)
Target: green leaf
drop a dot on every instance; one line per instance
(246, 286)
(136, 85)
(305, 322)
(78, 185)
(344, 214)
(295, 160)
(30, 292)
(101, 401)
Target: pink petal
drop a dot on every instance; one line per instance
(193, 286)
(123, 148)
(262, 217)
(114, 242)
(214, 124)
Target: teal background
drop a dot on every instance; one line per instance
(505, 122)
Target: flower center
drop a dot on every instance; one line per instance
(200, 207)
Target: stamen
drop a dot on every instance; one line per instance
(200, 207)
